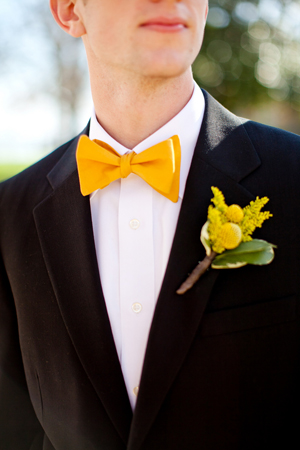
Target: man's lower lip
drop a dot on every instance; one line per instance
(163, 27)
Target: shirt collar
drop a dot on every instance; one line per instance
(186, 124)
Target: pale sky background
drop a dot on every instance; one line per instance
(29, 126)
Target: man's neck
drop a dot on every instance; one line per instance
(132, 110)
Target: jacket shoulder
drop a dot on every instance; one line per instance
(32, 185)
(268, 137)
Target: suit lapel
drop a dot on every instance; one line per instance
(64, 226)
(223, 156)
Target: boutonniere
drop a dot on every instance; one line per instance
(227, 237)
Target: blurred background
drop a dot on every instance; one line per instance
(250, 62)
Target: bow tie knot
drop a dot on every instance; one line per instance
(159, 166)
(125, 164)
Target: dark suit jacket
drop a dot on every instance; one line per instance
(221, 369)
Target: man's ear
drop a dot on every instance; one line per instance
(64, 13)
(206, 11)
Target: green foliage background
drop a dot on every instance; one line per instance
(8, 170)
(248, 60)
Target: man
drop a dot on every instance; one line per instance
(97, 349)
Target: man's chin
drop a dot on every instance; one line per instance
(164, 69)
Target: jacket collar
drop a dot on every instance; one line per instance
(66, 166)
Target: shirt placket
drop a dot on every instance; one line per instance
(136, 253)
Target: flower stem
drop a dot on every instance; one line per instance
(199, 270)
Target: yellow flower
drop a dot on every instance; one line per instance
(218, 200)
(253, 217)
(230, 235)
(234, 213)
(215, 219)
(230, 225)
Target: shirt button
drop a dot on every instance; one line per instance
(137, 308)
(136, 390)
(134, 224)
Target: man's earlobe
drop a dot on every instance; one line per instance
(64, 13)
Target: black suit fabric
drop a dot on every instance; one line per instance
(221, 370)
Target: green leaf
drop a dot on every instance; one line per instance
(204, 238)
(256, 252)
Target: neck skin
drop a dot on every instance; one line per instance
(130, 108)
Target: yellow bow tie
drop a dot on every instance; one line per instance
(99, 165)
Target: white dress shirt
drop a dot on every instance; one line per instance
(134, 227)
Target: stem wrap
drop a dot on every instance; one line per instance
(199, 270)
